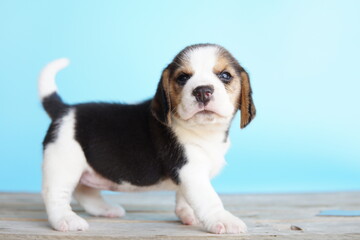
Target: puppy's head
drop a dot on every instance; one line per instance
(204, 84)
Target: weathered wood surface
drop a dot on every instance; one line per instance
(151, 216)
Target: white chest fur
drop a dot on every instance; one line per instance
(204, 144)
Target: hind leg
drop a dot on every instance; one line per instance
(94, 203)
(59, 181)
(64, 162)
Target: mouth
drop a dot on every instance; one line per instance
(205, 112)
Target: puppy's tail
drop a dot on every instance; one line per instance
(50, 100)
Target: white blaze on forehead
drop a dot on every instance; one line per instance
(203, 59)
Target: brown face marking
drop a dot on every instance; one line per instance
(175, 95)
(178, 66)
(225, 62)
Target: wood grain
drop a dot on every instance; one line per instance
(151, 216)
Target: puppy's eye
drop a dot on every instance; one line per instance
(225, 77)
(182, 78)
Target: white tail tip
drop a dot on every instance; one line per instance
(47, 84)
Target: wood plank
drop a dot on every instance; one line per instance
(150, 216)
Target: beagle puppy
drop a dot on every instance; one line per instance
(175, 141)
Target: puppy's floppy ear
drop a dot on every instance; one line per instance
(246, 106)
(161, 105)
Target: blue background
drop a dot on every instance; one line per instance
(302, 56)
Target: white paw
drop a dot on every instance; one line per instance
(112, 212)
(224, 222)
(70, 222)
(187, 216)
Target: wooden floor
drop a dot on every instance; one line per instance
(150, 216)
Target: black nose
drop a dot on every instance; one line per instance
(203, 93)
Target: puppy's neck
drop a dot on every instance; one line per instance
(212, 132)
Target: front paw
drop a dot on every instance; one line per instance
(224, 222)
(69, 222)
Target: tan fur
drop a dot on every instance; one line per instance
(247, 106)
(175, 96)
(233, 88)
(166, 86)
(157, 104)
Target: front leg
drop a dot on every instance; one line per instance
(196, 188)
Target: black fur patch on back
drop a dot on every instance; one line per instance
(126, 143)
